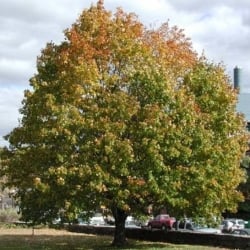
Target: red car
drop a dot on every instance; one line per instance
(162, 221)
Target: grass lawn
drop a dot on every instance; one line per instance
(51, 239)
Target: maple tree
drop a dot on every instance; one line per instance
(123, 116)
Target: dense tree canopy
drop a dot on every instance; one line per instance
(244, 207)
(124, 116)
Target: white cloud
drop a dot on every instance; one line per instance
(220, 28)
(10, 102)
(12, 71)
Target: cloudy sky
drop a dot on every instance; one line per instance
(219, 28)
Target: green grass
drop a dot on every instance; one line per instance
(80, 242)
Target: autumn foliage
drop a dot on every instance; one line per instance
(123, 116)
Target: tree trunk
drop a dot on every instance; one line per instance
(120, 234)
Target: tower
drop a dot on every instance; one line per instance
(237, 77)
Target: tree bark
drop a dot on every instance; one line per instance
(120, 233)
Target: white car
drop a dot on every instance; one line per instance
(130, 222)
(228, 225)
(97, 220)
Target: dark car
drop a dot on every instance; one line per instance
(162, 221)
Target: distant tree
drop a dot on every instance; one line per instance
(124, 116)
(244, 207)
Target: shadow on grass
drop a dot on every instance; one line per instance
(75, 242)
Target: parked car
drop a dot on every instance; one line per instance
(143, 222)
(96, 220)
(228, 225)
(189, 225)
(130, 222)
(240, 231)
(110, 220)
(162, 221)
(184, 224)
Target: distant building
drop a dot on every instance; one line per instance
(243, 105)
(237, 77)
